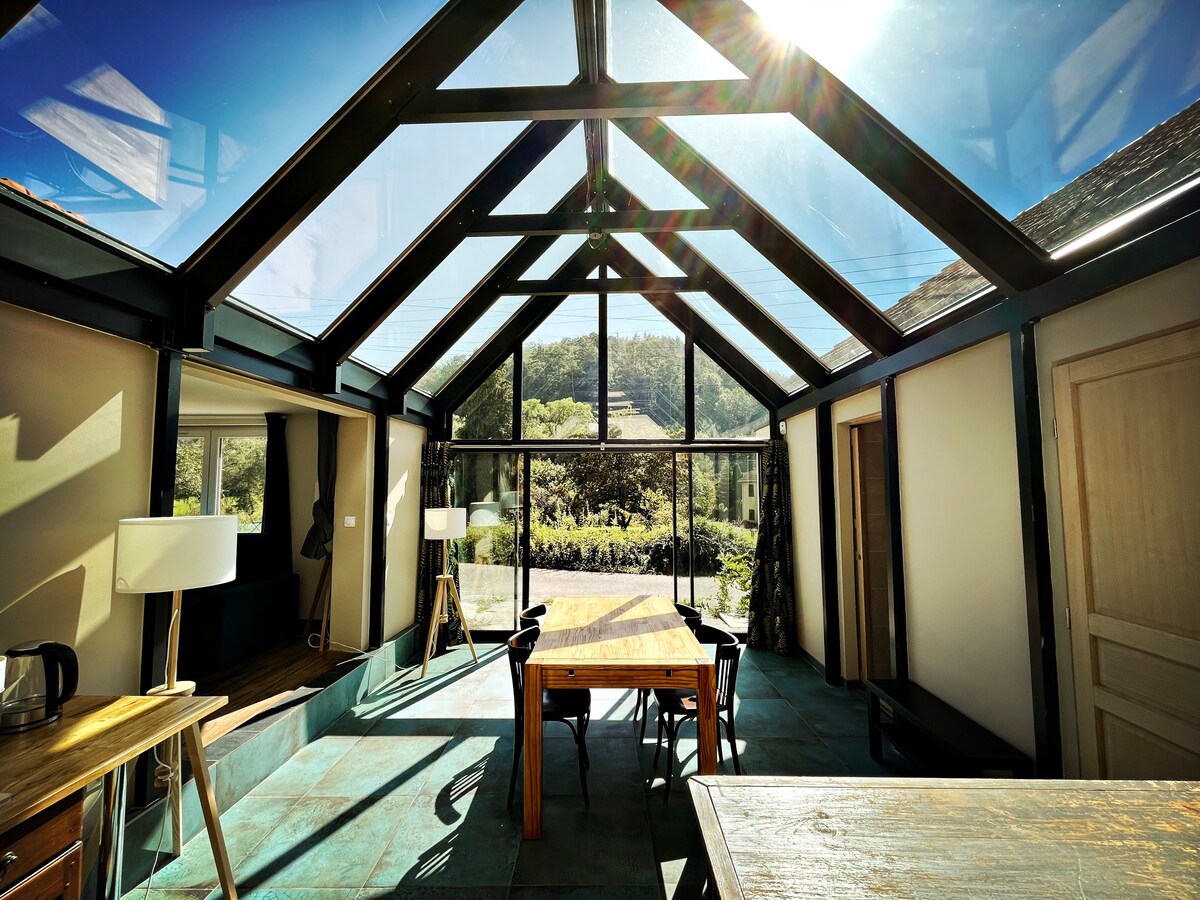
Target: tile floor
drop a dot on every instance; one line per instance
(405, 795)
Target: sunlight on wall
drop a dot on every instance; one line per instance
(21, 480)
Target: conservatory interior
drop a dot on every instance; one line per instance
(855, 345)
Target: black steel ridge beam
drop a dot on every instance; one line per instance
(805, 269)
(591, 41)
(611, 221)
(1141, 258)
(732, 298)
(961, 219)
(676, 310)
(14, 12)
(630, 100)
(520, 325)
(467, 311)
(648, 284)
(347, 139)
(449, 230)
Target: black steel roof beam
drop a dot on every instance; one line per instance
(449, 230)
(732, 298)
(803, 267)
(591, 38)
(677, 311)
(609, 221)
(958, 216)
(347, 139)
(627, 100)
(649, 284)
(12, 13)
(467, 311)
(520, 325)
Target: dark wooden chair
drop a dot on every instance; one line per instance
(558, 705)
(534, 615)
(677, 706)
(692, 619)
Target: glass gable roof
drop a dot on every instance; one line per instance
(558, 253)
(431, 300)
(542, 188)
(756, 351)
(155, 122)
(364, 225)
(535, 45)
(645, 178)
(647, 43)
(477, 335)
(1018, 99)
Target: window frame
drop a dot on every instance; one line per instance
(210, 470)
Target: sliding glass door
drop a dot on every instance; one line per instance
(487, 485)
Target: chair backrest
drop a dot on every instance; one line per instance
(534, 615)
(729, 652)
(691, 616)
(520, 645)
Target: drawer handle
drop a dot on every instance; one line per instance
(7, 860)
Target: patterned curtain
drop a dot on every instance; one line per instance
(436, 467)
(772, 590)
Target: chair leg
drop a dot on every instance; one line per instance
(658, 739)
(737, 763)
(583, 759)
(584, 721)
(645, 698)
(672, 734)
(516, 767)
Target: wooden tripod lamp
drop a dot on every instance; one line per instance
(445, 525)
(174, 554)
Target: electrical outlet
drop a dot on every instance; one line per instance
(349, 521)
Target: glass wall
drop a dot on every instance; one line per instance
(487, 485)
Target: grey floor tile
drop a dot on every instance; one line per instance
(377, 766)
(845, 717)
(434, 892)
(770, 718)
(584, 892)
(855, 754)
(471, 763)
(773, 756)
(606, 844)
(459, 841)
(296, 777)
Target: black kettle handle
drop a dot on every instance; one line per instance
(59, 658)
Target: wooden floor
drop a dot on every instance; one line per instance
(267, 680)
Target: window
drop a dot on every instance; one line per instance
(222, 470)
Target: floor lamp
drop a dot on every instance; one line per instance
(445, 525)
(174, 554)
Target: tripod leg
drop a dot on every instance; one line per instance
(435, 622)
(462, 618)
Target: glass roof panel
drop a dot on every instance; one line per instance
(542, 188)
(550, 261)
(647, 254)
(644, 178)
(477, 335)
(1020, 99)
(535, 45)
(771, 289)
(647, 43)
(560, 372)
(433, 298)
(755, 350)
(725, 409)
(828, 205)
(360, 229)
(156, 123)
(645, 372)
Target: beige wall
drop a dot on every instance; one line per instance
(963, 563)
(350, 606)
(302, 476)
(858, 408)
(76, 418)
(403, 525)
(806, 532)
(1163, 301)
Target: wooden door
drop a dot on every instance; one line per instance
(871, 551)
(1129, 452)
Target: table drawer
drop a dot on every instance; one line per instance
(58, 878)
(27, 847)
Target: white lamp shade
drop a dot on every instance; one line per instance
(445, 524)
(175, 554)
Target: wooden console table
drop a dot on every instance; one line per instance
(95, 738)
(898, 837)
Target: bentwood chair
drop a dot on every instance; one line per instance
(534, 615)
(676, 706)
(558, 705)
(692, 619)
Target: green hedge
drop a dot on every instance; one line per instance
(636, 551)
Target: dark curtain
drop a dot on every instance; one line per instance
(436, 468)
(772, 590)
(277, 498)
(319, 536)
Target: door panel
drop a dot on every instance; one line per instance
(1128, 451)
(871, 548)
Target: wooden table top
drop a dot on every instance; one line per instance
(643, 630)
(891, 837)
(95, 735)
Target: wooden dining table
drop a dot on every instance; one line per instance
(774, 837)
(622, 642)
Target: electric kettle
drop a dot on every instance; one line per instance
(36, 679)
